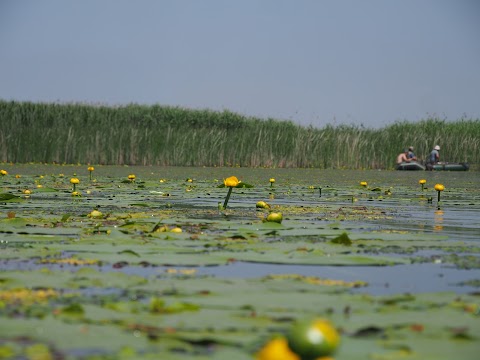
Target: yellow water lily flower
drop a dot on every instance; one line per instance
(95, 214)
(74, 181)
(422, 182)
(275, 217)
(132, 177)
(3, 172)
(232, 181)
(363, 183)
(262, 205)
(90, 170)
(276, 349)
(162, 228)
(439, 188)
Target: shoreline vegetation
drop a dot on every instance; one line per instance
(67, 133)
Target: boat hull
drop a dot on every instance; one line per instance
(451, 167)
(413, 165)
(437, 167)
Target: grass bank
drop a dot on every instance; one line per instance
(172, 136)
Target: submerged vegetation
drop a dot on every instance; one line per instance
(162, 135)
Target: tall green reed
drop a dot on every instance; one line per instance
(162, 135)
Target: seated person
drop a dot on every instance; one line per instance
(411, 154)
(434, 157)
(403, 157)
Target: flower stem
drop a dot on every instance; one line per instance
(438, 196)
(228, 197)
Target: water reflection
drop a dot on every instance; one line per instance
(438, 220)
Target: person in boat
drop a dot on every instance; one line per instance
(411, 154)
(433, 158)
(403, 157)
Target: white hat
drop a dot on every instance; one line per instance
(437, 147)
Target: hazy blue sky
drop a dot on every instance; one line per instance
(368, 62)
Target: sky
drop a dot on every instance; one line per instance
(315, 62)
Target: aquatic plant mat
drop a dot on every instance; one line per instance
(394, 270)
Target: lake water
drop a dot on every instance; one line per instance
(404, 207)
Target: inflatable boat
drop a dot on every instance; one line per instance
(451, 167)
(413, 165)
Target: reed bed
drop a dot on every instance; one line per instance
(172, 136)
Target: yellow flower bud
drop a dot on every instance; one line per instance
(262, 205)
(232, 181)
(95, 214)
(276, 349)
(439, 187)
(275, 217)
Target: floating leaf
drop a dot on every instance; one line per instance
(7, 196)
(342, 239)
(73, 309)
(129, 252)
(65, 217)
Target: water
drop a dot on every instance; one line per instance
(407, 209)
(384, 280)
